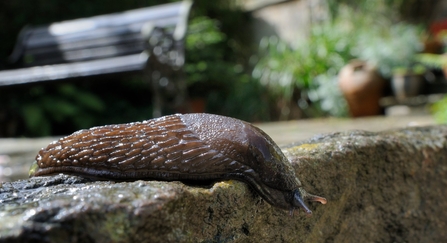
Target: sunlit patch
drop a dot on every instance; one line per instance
(308, 146)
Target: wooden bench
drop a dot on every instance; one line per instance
(147, 40)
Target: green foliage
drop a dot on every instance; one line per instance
(432, 60)
(311, 66)
(284, 69)
(326, 97)
(439, 110)
(43, 107)
(214, 71)
(63, 107)
(389, 46)
(326, 48)
(204, 54)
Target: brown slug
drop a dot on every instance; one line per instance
(179, 147)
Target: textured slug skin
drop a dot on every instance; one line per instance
(179, 147)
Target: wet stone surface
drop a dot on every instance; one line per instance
(381, 187)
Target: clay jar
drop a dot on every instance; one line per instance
(362, 87)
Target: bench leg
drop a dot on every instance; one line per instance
(169, 92)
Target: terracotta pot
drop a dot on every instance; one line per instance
(362, 87)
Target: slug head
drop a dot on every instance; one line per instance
(281, 185)
(298, 202)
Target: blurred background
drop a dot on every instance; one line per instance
(256, 60)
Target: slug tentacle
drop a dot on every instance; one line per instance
(314, 198)
(199, 147)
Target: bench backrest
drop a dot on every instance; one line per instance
(98, 37)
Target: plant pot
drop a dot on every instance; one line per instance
(406, 85)
(362, 87)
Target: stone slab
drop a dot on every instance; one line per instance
(381, 187)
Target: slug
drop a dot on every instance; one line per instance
(193, 147)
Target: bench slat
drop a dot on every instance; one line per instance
(50, 44)
(84, 54)
(72, 70)
(41, 38)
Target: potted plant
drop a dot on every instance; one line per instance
(392, 49)
(408, 81)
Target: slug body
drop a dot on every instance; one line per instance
(179, 147)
